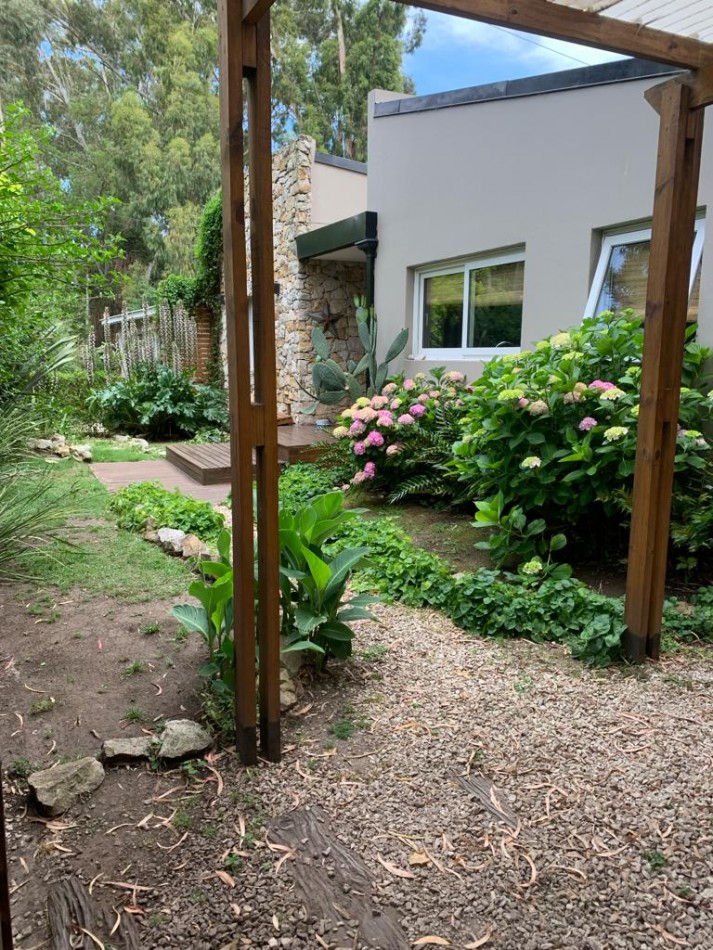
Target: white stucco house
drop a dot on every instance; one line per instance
(509, 211)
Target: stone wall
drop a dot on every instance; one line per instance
(310, 291)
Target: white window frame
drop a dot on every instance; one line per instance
(463, 352)
(614, 238)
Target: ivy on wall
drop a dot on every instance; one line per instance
(203, 292)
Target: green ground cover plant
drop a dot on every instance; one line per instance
(489, 603)
(148, 504)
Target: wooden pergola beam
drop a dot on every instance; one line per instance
(699, 82)
(561, 22)
(672, 234)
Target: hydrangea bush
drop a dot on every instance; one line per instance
(398, 439)
(551, 434)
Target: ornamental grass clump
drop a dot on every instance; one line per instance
(400, 440)
(552, 433)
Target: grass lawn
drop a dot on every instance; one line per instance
(94, 557)
(107, 450)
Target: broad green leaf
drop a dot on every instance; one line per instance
(320, 571)
(298, 645)
(192, 617)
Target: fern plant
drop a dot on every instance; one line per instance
(426, 467)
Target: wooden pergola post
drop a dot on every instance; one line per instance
(672, 233)
(244, 51)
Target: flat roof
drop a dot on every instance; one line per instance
(348, 164)
(624, 70)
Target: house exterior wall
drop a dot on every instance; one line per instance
(336, 192)
(309, 291)
(548, 172)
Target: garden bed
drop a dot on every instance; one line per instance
(574, 832)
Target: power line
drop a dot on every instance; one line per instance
(527, 39)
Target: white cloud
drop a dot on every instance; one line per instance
(531, 50)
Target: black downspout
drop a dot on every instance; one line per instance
(369, 246)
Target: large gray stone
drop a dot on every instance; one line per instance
(81, 453)
(171, 539)
(126, 750)
(183, 738)
(58, 788)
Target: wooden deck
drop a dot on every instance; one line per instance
(209, 463)
(115, 475)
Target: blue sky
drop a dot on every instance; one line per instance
(457, 52)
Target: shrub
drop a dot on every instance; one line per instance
(314, 614)
(401, 440)
(160, 402)
(314, 581)
(149, 504)
(554, 431)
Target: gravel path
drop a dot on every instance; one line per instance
(609, 776)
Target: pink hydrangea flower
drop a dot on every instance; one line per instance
(375, 438)
(523, 402)
(367, 414)
(385, 420)
(405, 419)
(417, 409)
(423, 398)
(455, 376)
(587, 423)
(394, 449)
(358, 478)
(378, 402)
(389, 388)
(356, 428)
(359, 448)
(395, 403)
(434, 394)
(409, 384)
(369, 470)
(601, 386)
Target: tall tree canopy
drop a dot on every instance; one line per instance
(129, 90)
(327, 56)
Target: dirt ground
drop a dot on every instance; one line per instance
(607, 777)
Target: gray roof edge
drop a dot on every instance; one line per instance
(624, 70)
(349, 164)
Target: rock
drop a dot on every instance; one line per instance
(126, 750)
(288, 693)
(122, 438)
(58, 439)
(58, 788)
(82, 453)
(183, 738)
(171, 539)
(150, 534)
(194, 547)
(43, 445)
(62, 451)
(140, 444)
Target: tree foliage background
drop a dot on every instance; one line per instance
(128, 92)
